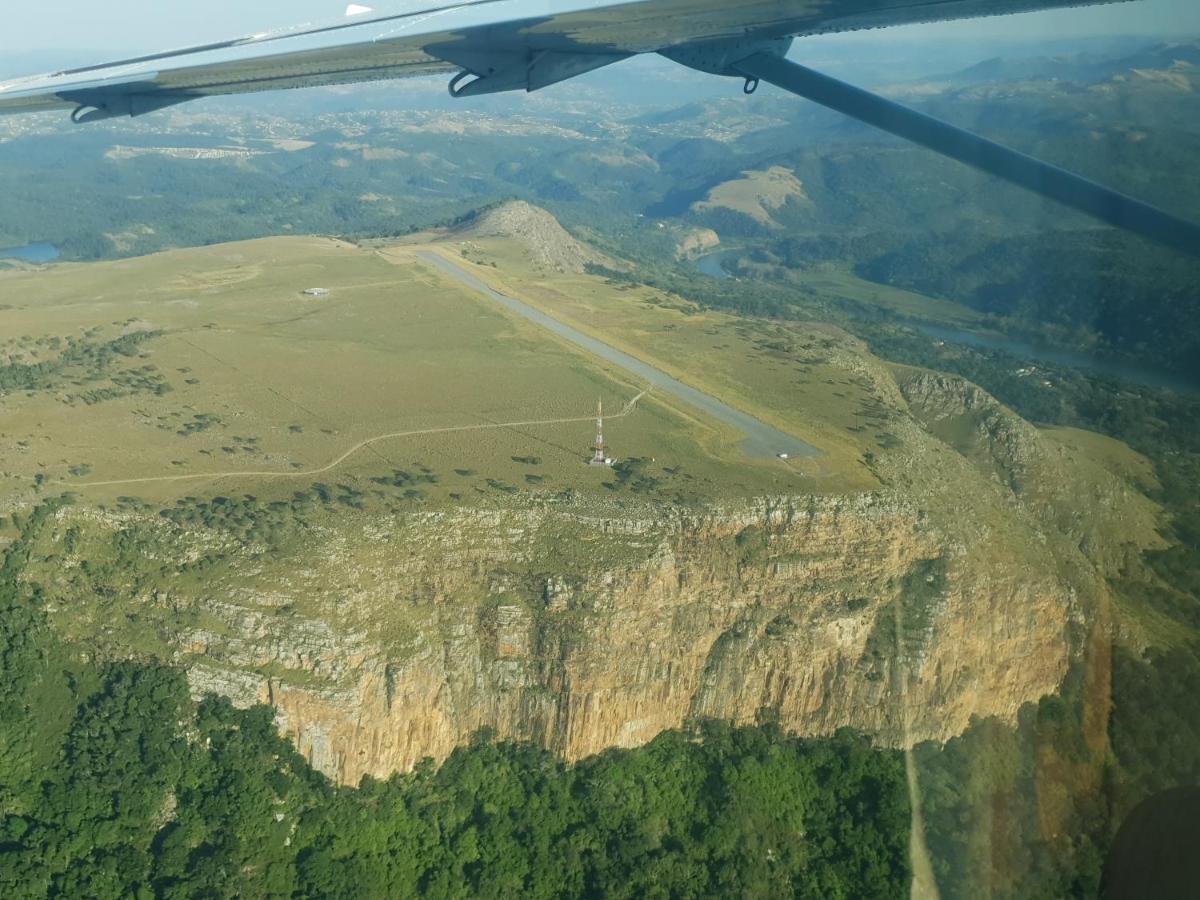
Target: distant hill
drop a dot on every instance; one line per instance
(1002, 69)
(755, 195)
(1086, 68)
(549, 244)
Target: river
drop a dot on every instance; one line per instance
(711, 264)
(1135, 374)
(762, 441)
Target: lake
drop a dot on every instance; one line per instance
(711, 264)
(38, 252)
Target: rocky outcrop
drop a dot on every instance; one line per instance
(696, 243)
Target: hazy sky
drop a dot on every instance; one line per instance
(108, 25)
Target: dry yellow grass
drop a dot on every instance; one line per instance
(267, 384)
(756, 194)
(1110, 454)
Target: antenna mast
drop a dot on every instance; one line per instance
(600, 452)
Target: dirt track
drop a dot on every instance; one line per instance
(357, 448)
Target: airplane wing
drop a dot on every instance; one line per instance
(553, 39)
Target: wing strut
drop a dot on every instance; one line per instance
(1042, 178)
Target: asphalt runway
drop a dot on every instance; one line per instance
(762, 441)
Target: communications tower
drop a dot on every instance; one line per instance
(600, 455)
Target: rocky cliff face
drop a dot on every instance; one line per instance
(583, 628)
